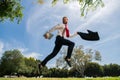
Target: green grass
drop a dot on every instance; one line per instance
(104, 78)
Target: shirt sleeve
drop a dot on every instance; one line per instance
(73, 35)
(54, 28)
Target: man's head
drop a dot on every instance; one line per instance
(65, 20)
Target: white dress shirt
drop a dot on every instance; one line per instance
(61, 30)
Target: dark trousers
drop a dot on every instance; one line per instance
(58, 44)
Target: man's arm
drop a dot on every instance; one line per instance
(73, 35)
(54, 28)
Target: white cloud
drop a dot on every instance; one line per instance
(27, 53)
(1, 47)
(96, 20)
(44, 17)
(108, 39)
(100, 14)
(13, 44)
(41, 18)
(10, 45)
(22, 50)
(33, 54)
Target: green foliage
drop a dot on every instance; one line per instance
(93, 70)
(40, 1)
(54, 2)
(85, 5)
(10, 9)
(80, 58)
(14, 62)
(111, 70)
(97, 56)
(11, 62)
(103, 78)
(31, 68)
(57, 72)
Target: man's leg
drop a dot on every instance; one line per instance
(69, 51)
(70, 45)
(53, 54)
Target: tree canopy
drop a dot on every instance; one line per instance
(11, 9)
(85, 5)
(14, 63)
(11, 62)
(93, 69)
(80, 58)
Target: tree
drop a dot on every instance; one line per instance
(32, 67)
(111, 70)
(74, 73)
(0, 69)
(57, 72)
(98, 56)
(85, 5)
(11, 9)
(93, 70)
(79, 59)
(11, 62)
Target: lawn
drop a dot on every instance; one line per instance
(105, 78)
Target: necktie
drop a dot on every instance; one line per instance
(67, 30)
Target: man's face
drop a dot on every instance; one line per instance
(65, 20)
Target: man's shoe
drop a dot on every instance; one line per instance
(68, 61)
(40, 66)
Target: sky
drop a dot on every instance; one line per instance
(28, 35)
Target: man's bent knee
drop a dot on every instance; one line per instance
(72, 44)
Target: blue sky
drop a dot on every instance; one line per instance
(28, 35)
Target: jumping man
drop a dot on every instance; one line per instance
(61, 39)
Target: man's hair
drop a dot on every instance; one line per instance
(64, 17)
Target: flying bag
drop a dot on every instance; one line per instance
(90, 36)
